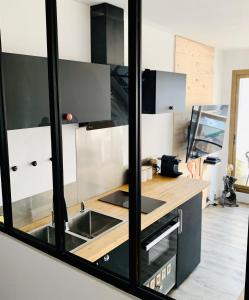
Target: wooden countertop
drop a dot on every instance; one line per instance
(173, 191)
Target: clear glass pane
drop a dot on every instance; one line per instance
(94, 106)
(242, 143)
(27, 107)
(190, 250)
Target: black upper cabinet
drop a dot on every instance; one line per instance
(84, 91)
(163, 92)
(107, 34)
(26, 91)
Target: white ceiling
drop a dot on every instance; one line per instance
(220, 23)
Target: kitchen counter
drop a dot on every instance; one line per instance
(174, 191)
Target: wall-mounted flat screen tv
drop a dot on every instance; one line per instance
(206, 130)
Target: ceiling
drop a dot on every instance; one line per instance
(223, 24)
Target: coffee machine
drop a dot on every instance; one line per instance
(169, 166)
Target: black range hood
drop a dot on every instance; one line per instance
(107, 47)
(107, 34)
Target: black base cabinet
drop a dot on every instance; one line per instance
(117, 261)
(189, 241)
(188, 245)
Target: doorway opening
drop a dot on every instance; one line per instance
(239, 137)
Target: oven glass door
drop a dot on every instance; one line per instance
(158, 249)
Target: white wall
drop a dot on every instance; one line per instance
(157, 54)
(74, 30)
(28, 274)
(158, 47)
(34, 144)
(23, 28)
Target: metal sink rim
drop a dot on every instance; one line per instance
(84, 240)
(86, 211)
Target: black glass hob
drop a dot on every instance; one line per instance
(121, 198)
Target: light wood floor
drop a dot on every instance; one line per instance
(221, 273)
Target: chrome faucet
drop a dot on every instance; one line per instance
(53, 222)
(82, 206)
(66, 226)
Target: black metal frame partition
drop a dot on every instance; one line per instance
(132, 285)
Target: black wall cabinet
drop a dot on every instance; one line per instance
(26, 90)
(189, 241)
(163, 92)
(84, 91)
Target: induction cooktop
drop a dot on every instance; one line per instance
(121, 198)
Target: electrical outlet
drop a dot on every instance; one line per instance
(169, 268)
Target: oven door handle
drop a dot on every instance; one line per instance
(158, 239)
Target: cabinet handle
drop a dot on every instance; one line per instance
(106, 258)
(14, 168)
(180, 214)
(148, 246)
(34, 163)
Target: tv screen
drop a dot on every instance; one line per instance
(206, 130)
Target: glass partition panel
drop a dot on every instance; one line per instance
(242, 145)
(93, 86)
(158, 244)
(194, 245)
(25, 75)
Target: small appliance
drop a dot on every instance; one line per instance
(169, 166)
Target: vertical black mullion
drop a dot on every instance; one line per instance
(55, 116)
(134, 31)
(4, 153)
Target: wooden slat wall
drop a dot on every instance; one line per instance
(197, 61)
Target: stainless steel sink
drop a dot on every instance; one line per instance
(47, 234)
(91, 224)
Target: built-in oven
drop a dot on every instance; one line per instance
(158, 253)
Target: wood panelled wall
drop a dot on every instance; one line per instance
(197, 61)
